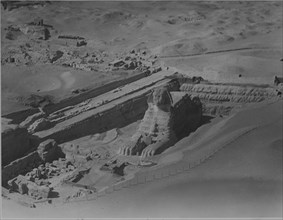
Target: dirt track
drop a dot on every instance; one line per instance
(209, 52)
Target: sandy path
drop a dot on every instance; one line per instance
(208, 53)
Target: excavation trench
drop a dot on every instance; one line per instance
(216, 100)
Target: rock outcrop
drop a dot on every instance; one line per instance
(164, 122)
(229, 93)
(31, 119)
(39, 125)
(221, 99)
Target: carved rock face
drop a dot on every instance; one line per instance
(164, 122)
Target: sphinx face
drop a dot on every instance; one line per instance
(160, 97)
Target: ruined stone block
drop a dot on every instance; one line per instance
(49, 151)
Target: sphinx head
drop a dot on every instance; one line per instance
(160, 97)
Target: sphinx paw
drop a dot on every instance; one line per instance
(149, 151)
(126, 149)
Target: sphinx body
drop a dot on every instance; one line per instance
(162, 124)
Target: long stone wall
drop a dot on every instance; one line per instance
(118, 116)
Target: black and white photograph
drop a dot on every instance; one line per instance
(141, 109)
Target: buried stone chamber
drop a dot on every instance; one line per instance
(169, 117)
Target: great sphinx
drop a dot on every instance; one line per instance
(169, 117)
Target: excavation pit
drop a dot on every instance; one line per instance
(108, 142)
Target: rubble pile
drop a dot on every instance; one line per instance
(70, 51)
(137, 60)
(191, 17)
(87, 61)
(77, 154)
(24, 186)
(35, 30)
(80, 193)
(46, 152)
(33, 47)
(44, 172)
(115, 166)
(36, 183)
